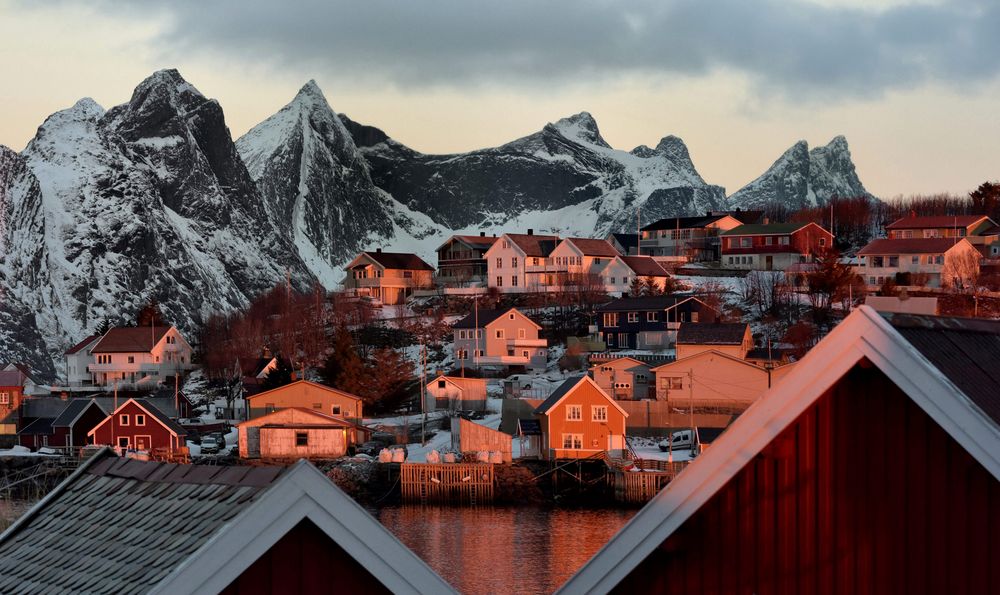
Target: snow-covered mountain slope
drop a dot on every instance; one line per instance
(803, 178)
(21, 257)
(316, 186)
(149, 200)
(565, 165)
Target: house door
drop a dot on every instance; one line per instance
(615, 443)
(142, 442)
(253, 441)
(769, 262)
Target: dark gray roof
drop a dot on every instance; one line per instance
(484, 317)
(683, 222)
(73, 410)
(163, 418)
(559, 393)
(43, 407)
(965, 350)
(632, 304)
(711, 333)
(164, 404)
(529, 427)
(120, 525)
(42, 426)
(627, 240)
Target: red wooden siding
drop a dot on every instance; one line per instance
(160, 437)
(864, 493)
(803, 241)
(308, 562)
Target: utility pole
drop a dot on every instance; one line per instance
(638, 231)
(423, 398)
(691, 396)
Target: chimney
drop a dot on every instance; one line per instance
(378, 250)
(63, 395)
(482, 234)
(765, 221)
(531, 232)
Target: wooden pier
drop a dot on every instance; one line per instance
(447, 483)
(639, 487)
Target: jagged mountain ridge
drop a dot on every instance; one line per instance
(148, 200)
(804, 178)
(565, 165)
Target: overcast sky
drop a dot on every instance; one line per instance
(914, 85)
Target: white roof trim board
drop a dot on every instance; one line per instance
(585, 379)
(303, 493)
(863, 334)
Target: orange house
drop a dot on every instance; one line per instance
(308, 395)
(579, 420)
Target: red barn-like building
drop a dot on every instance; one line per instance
(138, 424)
(873, 467)
(773, 246)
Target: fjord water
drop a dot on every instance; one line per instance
(502, 549)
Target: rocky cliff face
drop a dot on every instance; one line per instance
(148, 200)
(803, 178)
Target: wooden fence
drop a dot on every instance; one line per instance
(471, 438)
(464, 483)
(639, 487)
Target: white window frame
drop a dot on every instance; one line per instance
(123, 419)
(140, 419)
(633, 317)
(574, 412)
(600, 412)
(572, 441)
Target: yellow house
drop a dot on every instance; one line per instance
(307, 395)
(731, 338)
(711, 378)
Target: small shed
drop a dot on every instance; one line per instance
(456, 394)
(470, 437)
(529, 433)
(294, 433)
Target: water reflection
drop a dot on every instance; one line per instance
(503, 550)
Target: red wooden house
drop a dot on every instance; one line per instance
(138, 424)
(773, 246)
(69, 428)
(11, 393)
(873, 467)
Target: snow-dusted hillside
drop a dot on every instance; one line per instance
(148, 200)
(803, 178)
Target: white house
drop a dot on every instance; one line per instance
(938, 260)
(138, 356)
(77, 359)
(518, 262)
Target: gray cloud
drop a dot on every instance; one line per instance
(787, 48)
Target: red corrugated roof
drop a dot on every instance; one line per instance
(909, 246)
(534, 245)
(81, 344)
(140, 339)
(935, 221)
(592, 247)
(477, 241)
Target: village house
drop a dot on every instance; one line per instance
(136, 356)
(708, 379)
(461, 260)
(305, 394)
(624, 243)
(78, 360)
(166, 528)
(649, 322)
(519, 262)
(773, 246)
(138, 425)
(11, 393)
(784, 502)
(930, 262)
(499, 338)
(453, 393)
(625, 379)
(617, 276)
(686, 238)
(731, 338)
(388, 277)
(296, 433)
(579, 420)
(978, 229)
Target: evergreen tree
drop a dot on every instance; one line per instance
(150, 315)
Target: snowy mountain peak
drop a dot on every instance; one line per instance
(581, 127)
(674, 149)
(310, 92)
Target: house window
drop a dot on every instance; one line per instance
(335, 410)
(318, 406)
(600, 412)
(301, 439)
(513, 281)
(140, 419)
(915, 260)
(513, 261)
(123, 419)
(442, 384)
(461, 334)
(673, 382)
(499, 262)
(481, 352)
(650, 316)
(633, 317)
(939, 259)
(499, 281)
(822, 242)
(694, 316)
(610, 319)
(534, 261)
(746, 242)
(574, 412)
(407, 274)
(499, 333)
(573, 441)
(4, 398)
(269, 408)
(768, 240)
(783, 240)
(877, 262)
(123, 442)
(131, 359)
(893, 261)
(612, 280)
(524, 353)
(506, 244)
(520, 333)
